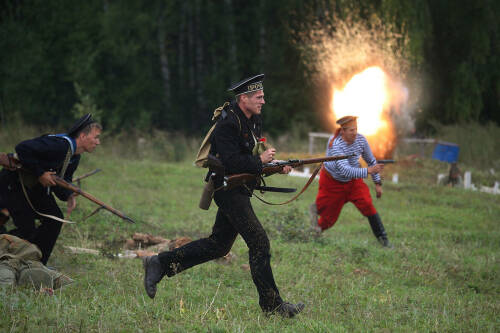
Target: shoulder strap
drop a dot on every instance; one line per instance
(72, 142)
(298, 194)
(32, 207)
(65, 164)
(201, 157)
(71, 151)
(239, 121)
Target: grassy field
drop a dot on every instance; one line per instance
(442, 275)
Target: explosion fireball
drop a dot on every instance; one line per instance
(368, 96)
(365, 61)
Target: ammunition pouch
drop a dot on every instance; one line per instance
(215, 180)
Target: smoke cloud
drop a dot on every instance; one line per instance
(333, 52)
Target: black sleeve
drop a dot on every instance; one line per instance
(227, 139)
(41, 154)
(62, 193)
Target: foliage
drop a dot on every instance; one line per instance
(464, 61)
(167, 64)
(292, 226)
(84, 105)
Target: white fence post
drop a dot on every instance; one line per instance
(441, 176)
(395, 178)
(467, 180)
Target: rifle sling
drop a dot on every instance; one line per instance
(297, 195)
(32, 207)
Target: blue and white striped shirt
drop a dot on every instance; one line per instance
(348, 169)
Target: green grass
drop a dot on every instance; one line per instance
(442, 275)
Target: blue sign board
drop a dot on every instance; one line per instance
(446, 152)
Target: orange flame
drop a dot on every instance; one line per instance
(367, 95)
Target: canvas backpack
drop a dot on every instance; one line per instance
(202, 156)
(20, 265)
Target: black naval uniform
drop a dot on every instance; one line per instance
(3, 218)
(38, 155)
(235, 214)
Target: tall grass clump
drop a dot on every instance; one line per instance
(292, 225)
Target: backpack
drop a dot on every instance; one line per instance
(202, 156)
(20, 265)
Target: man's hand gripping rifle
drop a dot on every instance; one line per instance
(229, 182)
(11, 162)
(276, 167)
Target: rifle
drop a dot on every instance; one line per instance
(9, 161)
(227, 182)
(78, 179)
(385, 161)
(269, 169)
(64, 184)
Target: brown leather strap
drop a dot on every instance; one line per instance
(52, 217)
(66, 162)
(298, 194)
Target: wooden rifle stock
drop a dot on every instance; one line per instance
(272, 168)
(64, 184)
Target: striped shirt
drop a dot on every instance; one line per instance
(348, 169)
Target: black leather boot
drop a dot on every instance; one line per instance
(288, 310)
(378, 230)
(153, 273)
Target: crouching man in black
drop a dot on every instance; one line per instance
(27, 192)
(232, 141)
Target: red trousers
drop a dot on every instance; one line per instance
(332, 195)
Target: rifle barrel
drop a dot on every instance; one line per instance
(385, 161)
(306, 161)
(272, 168)
(61, 182)
(86, 175)
(324, 159)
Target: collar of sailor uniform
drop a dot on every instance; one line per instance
(71, 141)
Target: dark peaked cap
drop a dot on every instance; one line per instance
(80, 124)
(251, 84)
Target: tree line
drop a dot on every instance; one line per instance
(166, 64)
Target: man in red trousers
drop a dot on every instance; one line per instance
(342, 181)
